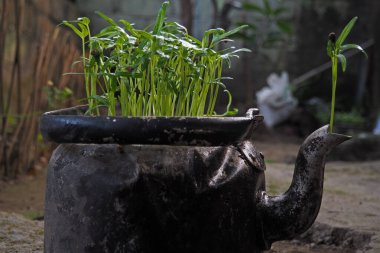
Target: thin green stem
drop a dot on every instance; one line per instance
(86, 76)
(334, 60)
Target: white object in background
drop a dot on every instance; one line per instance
(376, 130)
(276, 102)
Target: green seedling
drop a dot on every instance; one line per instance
(162, 72)
(335, 50)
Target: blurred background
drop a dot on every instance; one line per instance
(287, 74)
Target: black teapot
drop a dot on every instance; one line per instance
(172, 184)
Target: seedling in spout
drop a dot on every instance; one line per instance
(335, 50)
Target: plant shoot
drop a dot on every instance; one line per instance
(335, 50)
(162, 72)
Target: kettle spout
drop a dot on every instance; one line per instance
(292, 213)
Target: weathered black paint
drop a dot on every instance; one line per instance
(293, 212)
(64, 126)
(150, 199)
(197, 196)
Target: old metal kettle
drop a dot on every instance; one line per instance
(176, 184)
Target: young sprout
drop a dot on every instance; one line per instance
(163, 72)
(335, 50)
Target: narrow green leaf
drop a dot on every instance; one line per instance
(233, 31)
(232, 53)
(146, 35)
(160, 18)
(193, 39)
(221, 36)
(346, 47)
(84, 20)
(72, 27)
(250, 25)
(129, 27)
(228, 111)
(330, 48)
(206, 38)
(111, 31)
(343, 61)
(174, 27)
(231, 113)
(106, 18)
(345, 32)
(84, 30)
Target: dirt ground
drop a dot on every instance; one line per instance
(349, 219)
(348, 222)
